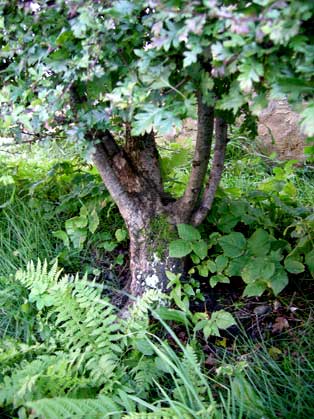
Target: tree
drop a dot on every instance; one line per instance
(112, 75)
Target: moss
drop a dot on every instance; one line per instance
(160, 234)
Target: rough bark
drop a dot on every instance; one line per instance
(186, 205)
(139, 200)
(221, 128)
(149, 262)
(143, 153)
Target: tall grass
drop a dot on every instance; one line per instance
(277, 377)
(25, 235)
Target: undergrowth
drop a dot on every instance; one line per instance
(65, 353)
(80, 360)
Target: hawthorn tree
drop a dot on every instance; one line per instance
(115, 74)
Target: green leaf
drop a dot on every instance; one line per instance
(216, 279)
(172, 276)
(76, 222)
(293, 266)
(188, 232)
(206, 267)
(279, 281)
(62, 235)
(227, 222)
(307, 120)
(211, 329)
(120, 234)
(232, 100)
(236, 265)
(223, 319)
(75, 228)
(259, 243)
(119, 260)
(200, 248)
(64, 38)
(220, 319)
(109, 246)
(78, 237)
(93, 221)
(233, 245)
(190, 57)
(195, 259)
(155, 118)
(173, 315)
(179, 248)
(221, 262)
(255, 289)
(258, 269)
(309, 260)
(143, 346)
(250, 72)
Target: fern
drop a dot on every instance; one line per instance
(67, 408)
(81, 341)
(145, 374)
(163, 413)
(139, 314)
(82, 352)
(12, 352)
(14, 321)
(189, 371)
(85, 325)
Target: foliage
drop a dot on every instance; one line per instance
(117, 61)
(261, 240)
(69, 201)
(51, 369)
(181, 293)
(189, 241)
(78, 352)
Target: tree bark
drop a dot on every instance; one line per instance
(149, 261)
(221, 131)
(137, 191)
(185, 206)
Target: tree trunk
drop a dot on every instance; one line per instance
(149, 258)
(143, 206)
(132, 175)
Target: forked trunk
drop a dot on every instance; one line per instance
(132, 175)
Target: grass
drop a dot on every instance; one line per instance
(279, 374)
(25, 235)
(246, 168)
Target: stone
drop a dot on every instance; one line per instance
(279, 131)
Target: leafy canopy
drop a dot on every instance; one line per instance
(68, 67)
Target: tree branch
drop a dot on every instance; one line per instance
(186, 204)
(221, 128)
(103, 158)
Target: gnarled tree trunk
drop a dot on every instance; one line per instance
(132, 175)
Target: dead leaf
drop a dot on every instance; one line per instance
(280, 324)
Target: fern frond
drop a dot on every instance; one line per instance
(84, 324)
(139, 314)
(145, 373)
(67, 408)
(12, 352)
(162, 413)
(38, 274)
